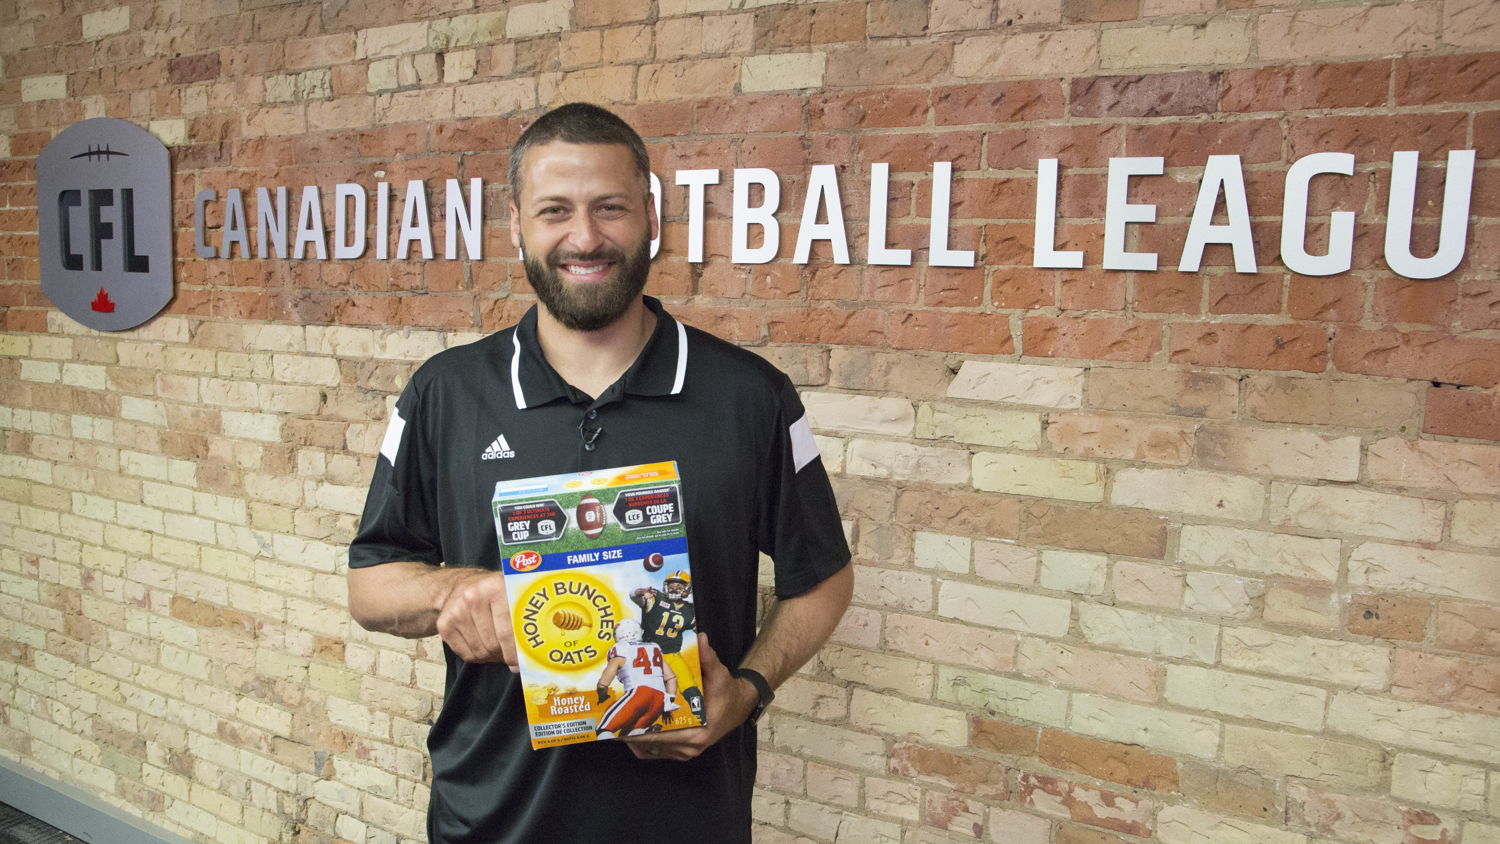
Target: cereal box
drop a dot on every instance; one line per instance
(600, 590)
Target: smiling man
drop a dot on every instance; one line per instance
(596, 375)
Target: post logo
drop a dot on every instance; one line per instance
(524, 561)
(104, 221)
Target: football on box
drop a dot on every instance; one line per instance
(590, 516)
(654, 562)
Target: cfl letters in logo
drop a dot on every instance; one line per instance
(104, 221)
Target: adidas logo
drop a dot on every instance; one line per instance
(498, 450)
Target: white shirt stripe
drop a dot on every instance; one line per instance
(515, 371)
(681, 359)
(804, 447)
(391, 445)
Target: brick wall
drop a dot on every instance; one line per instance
(1165, 556)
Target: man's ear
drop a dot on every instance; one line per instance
(515, 226)
(653, 216)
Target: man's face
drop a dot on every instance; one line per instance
(585, 226)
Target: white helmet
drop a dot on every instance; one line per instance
(628, 630)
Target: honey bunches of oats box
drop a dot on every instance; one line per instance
(600, 588)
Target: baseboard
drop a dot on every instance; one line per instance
(75, 811)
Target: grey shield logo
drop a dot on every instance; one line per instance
(104, 220)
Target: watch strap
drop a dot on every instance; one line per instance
(763, 692)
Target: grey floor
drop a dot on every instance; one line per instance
(17, 827)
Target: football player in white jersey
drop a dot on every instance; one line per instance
(650, 687)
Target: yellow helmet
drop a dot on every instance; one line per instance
(684, 583)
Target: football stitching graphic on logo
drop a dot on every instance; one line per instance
(591, 517)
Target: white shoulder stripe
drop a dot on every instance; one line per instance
(391, 445)
(804, 447)
(515, 370)
(681, 359)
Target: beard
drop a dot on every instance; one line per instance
(589, 307)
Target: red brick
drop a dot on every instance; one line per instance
(835, 282)
(1374, 138)
(1426, 355)
(1487, 135)
(1462, 413)
(947, 287)
(1091, 339)
(781, 27)
(964, 514)
(1428, 302)
(1337, 299)
(952, 331)
(1091, 290)
(839, 326)
(1454, 682)
(891, 284)
(1107, 760)
(739, 115)
(1008, 244)
(1157, 95)
(1469, 627)
(1169, 292)
(183, 70)
(997, 102)
(1128, 533)
(1023, 287)
(1250, 346)
(1347, 85)
(915, 153)
(692, 155)
(1389, 617)
(656, 120)
(1458, 78)
(1243, 293)
(787, 155)
(1089, 145)
(466, 135)
(1085, 804)
(875, 65)
(499, 313)
(740, 325)
(1190, 144)
(886, 109)
(968, 774)
(1004, 737)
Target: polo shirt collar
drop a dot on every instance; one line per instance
(659, 370)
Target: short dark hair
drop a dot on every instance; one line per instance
(578, 123)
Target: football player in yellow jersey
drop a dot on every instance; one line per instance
(664, 617)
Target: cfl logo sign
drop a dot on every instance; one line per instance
(104, 220)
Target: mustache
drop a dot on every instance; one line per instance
(605, 254)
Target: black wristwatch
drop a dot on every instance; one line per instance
(762, 691)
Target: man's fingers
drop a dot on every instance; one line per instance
(475, 622)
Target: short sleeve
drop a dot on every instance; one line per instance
(799, 525)
(397, 524)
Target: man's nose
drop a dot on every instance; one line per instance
(584, 235)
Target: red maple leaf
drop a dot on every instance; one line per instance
(102, 303)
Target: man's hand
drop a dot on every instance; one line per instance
(475, 620)
(729, 702)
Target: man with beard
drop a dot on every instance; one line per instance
(596, 376)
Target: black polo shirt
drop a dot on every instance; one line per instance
(752, 482)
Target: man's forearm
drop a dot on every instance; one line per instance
(797, 627)
(403, 598)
